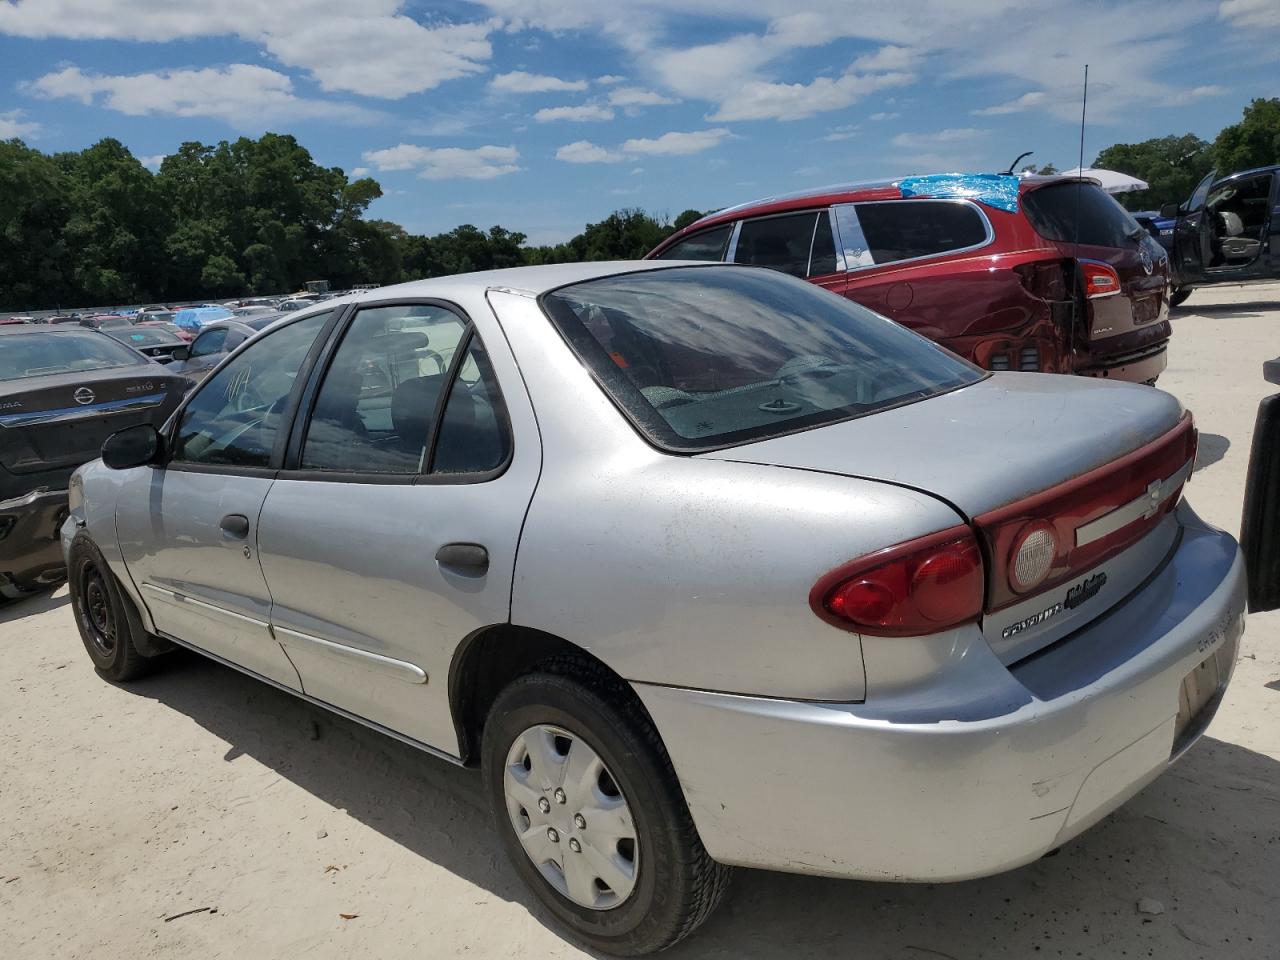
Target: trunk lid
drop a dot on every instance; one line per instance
(55, 423)
(1005, 451)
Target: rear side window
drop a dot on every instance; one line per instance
(209, 342)
(707, 357)
(1055, 210)
(781, 243)
(708, 245)
(906, 229)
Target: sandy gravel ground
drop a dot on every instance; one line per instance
(199, 788)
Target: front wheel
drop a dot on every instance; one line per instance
(590, 813)
(100, 613)
(1178, 296)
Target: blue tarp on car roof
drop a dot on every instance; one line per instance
(997, 190)
(193, 318)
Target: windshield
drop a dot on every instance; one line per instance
(38, 354)
(701, 358)
(1055, 209)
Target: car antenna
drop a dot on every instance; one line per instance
(1084, 104)
(1009, 172)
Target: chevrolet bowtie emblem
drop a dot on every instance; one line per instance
(1153, 499)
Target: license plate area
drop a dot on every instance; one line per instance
(1199, 693)
(1145, 310)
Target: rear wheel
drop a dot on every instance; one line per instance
(101, 616)
(590, 813)
(1178, 296)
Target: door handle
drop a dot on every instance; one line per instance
(235, 525)
(468, 558)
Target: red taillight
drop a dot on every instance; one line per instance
(1099, 279)
(916, 588)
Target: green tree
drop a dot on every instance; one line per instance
(1253, 142)
(1171, 166)
(686, 218)
(35, 268)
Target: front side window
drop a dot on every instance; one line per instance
(209, 342)
(380, 397)
(907, 229)
(707, 357)
(708, 245)
(236, 415)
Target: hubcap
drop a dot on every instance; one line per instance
(95, 610)
(583, 843)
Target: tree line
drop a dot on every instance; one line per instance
(246, 217)
(257, 216)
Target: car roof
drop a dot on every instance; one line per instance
(529, 281)
(59, 329)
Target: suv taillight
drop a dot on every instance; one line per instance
(1099, 279)
(912, 589)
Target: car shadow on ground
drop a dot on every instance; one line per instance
(12, 610)
(1210, 448)
(1218, 808)
(1230, 311)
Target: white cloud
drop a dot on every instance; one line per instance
(638, 97)
(152, 162)
(12, 125)
(586, 113)
(609, 79)
(358, 172)
(676, 144)
(846, 131)
(369, 48)
(1251, 13)
(517, 81)
(584, 151)
(917, 141)
(888, 58)
(877, 117)
(447, 163)
(244, 95)
(1180, 97)
(760, 100)
(1035, 98)
(673, 144)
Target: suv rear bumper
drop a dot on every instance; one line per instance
(974, 768)
(1138, 367)
(30, 548)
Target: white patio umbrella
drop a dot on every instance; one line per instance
(1111, 181)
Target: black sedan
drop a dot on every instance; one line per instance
(155, 342)
(63, 391)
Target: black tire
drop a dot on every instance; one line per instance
(1178, 296)
(102, 615)
(677, 885)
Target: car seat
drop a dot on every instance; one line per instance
(413, 409)
(1232, 245)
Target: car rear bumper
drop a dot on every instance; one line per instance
(1138, 367)
(30, 548)
(974, 768)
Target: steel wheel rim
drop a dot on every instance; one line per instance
(571, 818)
(95, 610)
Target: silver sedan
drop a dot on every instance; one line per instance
(700, 565)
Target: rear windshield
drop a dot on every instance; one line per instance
(708, 357)
(38, 354)
(1054, 210)
(145, 337)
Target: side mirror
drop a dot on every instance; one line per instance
(181, 353)
(1170, 211)
(134, 446)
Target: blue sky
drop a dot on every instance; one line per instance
(542, 115)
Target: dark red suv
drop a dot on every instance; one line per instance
(1036, 273)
